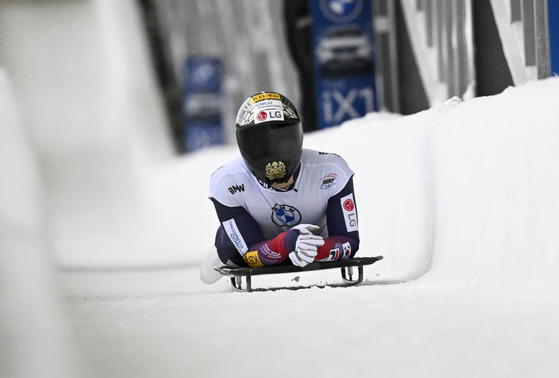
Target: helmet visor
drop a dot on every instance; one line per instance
(263, 144)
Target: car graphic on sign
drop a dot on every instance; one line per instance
(344, 49)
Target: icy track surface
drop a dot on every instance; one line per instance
(462, 201)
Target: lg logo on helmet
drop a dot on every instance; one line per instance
(268, 116)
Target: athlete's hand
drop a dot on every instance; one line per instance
(302, 228)
(306, 247)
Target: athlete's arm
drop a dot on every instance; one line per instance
(341, 218)
(245, 234)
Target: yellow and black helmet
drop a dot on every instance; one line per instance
(270, 136)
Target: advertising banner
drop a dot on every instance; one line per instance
(553, 13)
(343, 60)
(202, 103)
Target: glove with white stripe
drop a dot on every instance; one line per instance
(306, 247)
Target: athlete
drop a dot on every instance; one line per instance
(279, 203)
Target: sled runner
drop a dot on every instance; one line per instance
(348, 275)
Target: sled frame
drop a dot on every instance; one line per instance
(349, 277)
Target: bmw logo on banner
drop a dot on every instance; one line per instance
(343, 60)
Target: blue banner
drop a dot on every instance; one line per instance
(553, 15)
(343, 60)
(202, 104)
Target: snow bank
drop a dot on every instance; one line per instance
(496, 184)
(465, 191)
(97, 122)
(32, 341)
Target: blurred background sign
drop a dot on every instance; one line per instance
(553, 12)
(202, 103)
(343, 60)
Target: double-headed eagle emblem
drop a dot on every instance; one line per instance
(275, 170)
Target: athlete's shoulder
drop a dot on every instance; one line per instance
(229, 179)
(330, 171)
(329, 159)
(234, 168)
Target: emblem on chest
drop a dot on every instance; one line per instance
(285, 215)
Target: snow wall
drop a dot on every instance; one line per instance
(80, 125)
(33, 339)
(85, 86)
(465, 192)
